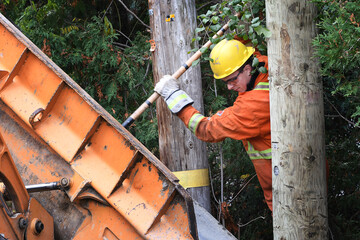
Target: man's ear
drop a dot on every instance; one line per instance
(248, 69)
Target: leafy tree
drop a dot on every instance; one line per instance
(337, 48)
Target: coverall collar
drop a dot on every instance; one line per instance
(250, 86)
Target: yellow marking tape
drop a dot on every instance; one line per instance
(170, 18)
(193, 178)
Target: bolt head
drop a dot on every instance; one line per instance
(23, 223)
(64, 182)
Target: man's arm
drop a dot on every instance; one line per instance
(232, 122)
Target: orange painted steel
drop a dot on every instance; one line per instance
(19, 213)
(54, 129)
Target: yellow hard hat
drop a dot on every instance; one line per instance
(228, 56)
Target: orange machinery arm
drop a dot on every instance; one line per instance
(21, 217)
(54, 129)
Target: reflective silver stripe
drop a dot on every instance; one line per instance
(194, 121)
(262, 86)
(254, 154)
(178, 100)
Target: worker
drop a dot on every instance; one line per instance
(249, 117)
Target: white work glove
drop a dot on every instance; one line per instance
(166, 86)
(176, 99)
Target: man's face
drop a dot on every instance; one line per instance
(238, 81)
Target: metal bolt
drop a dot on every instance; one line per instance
(39, 226)
(23, 223)
(65, 182)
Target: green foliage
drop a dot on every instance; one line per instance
(338, 48)
(250, 26)
(342, 150)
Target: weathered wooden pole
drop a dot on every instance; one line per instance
(173, 25)
(297, 123)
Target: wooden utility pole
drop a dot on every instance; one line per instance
(173, 25)
(297, 123)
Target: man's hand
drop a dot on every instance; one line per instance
(166, 86)
(176, 99)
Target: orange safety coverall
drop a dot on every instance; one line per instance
(247, 120)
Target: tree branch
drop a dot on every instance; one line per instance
(350, 122)
(206, 4)
(107, 9)
(242, 188)
(124, 36)
(243, 225)
(120, 45)
(212, 187)
(133, 14)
